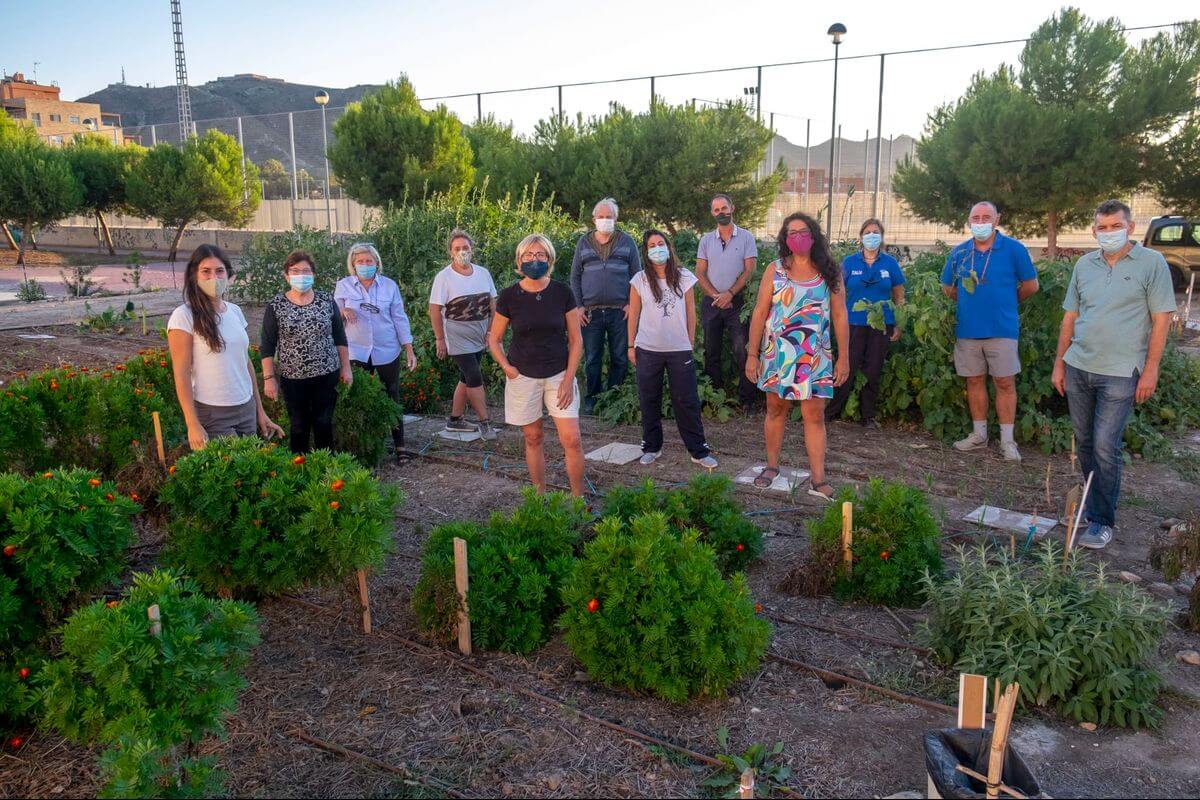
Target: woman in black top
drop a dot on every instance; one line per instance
(304, 352)
(542, 359)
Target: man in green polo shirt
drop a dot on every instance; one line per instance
(1118, 308)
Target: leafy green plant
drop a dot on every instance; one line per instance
(151, 698)
(77, 281)
(647, 609)
(1178, 551)
(771, 772)
(109, 319)
(707, 505)
(517, 565)
(895, 541)
(133, 275)
(876, 312)
(251, 518)
(1064, 633)
(30, 291)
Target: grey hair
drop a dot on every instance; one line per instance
(362, 247)
(459, 233)
(1114, 206)
(536, 238)
(608, 201)
(989, 204)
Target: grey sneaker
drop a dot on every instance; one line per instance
(708, 462)
(460, 425)
(972, 442)
(649, 458)
(1096, 537)
(486, 431)
(1010, 452)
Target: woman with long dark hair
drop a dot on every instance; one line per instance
(662, 333)
(800, 297)
(214, 377)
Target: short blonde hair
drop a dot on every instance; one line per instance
(362, 247)
(458, 233)
(530, 241)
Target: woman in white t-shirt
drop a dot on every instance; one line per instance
(662, 333)
(214, 377)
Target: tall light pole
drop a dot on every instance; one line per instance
(836, 31)
(322, 99)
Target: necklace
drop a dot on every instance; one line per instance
(974, 279)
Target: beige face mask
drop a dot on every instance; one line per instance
(213, 287)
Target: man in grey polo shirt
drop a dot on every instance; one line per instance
(725, 260)
(1118, 308)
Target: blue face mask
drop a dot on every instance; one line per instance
(535, 270)
(981, 231)
(659, 254)
(366, 271)
(1112, 241)
(301, 283)
(871, 241)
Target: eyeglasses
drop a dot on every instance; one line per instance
(534, 256)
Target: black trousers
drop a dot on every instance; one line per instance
(680, 369)
(717, 323)
(310, 403)
(868, 349)
(390, 375)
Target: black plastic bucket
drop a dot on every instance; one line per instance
(945, 749)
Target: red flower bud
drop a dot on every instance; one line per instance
(10, 550)
(93, 482)
(593, 605)
(741, 547)
(23, 672)
(298, 460)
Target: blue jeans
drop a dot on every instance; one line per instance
(605, 323)
(1100, 407)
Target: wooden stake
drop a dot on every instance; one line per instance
(1087, 486)
(155, 620)
(364, 600)
(995, 696)
(746, 786)
(972, 701)
(1049, 500)
(143, 319)
(462, 584)
(999, 746)
(162, 454)
(1008, 790)
(847, 534)
(1072, 454)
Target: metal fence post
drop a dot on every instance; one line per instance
(153, 137)
(758, 98)
(295, 177)
(560, 105)
(651, 92)
(478, 107)
(242, 145)
(807, 159)
(879, 143)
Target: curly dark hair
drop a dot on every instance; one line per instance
(821, 255)
(671, 271)
(204, 309)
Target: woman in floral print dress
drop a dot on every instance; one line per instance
(789, 356)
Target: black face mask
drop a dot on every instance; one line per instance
(724, 219)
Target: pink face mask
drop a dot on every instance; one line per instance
(800, 243)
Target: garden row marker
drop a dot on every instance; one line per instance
(1087, 485)
(143, 319)
(1187, 306)
(462, 584)
(1004, 715)
(847, 533)
(162, 455)
(746, 786)
(364, 600)
(155, 620)
(972, 701)
(1008, 790)
(1072, 454)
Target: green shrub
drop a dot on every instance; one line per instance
(151, 699)
(1071, 639)
(646, 609)
(620, 405)
(895, 541)
(517, 565)
(251, 518)
(259, 274)
(707, 504)
(30, 291)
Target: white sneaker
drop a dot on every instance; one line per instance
(1009, 451)
(649, 458)
(973, 442)
(708, 462)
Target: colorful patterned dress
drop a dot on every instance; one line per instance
(797, 355)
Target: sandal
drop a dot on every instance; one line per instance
(815, 491)
(763, 480)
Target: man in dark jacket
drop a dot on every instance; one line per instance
(606, 260)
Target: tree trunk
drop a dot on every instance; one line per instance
(1052, 235)
(107, 236)
(8, 237)
(670, 226)
(32, 238)
(175, 242)
(21, 251)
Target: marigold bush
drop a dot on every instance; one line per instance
(1072, 640)
(252, 518)
(517, 564)
(646, 609)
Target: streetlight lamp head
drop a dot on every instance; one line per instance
(322, 97)
(836, 31)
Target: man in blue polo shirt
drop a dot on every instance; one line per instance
(987, 276)
(1114, 330)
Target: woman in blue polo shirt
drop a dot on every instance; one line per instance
(873, 276)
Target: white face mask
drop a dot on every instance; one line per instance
(462, 257)
(213, 287)
(606, 225)
(1112, 241)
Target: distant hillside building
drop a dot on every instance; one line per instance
(56, 120)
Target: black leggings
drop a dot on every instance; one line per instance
(469, 366)
(390, 375)
(310, 403)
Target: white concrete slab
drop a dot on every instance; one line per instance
(456, 436)
(409, 419)
(788, 479)
(34, 336)
(616, 453)
(1005, 520)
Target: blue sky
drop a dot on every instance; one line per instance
(470, 45)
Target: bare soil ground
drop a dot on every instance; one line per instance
(413, 705)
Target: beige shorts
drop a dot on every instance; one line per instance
(525, 397)
(996, 357)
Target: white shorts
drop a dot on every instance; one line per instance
(525, 397)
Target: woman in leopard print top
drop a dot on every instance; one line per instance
(304, 353)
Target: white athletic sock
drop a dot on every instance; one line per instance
(1006, 433)
(980, 428)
